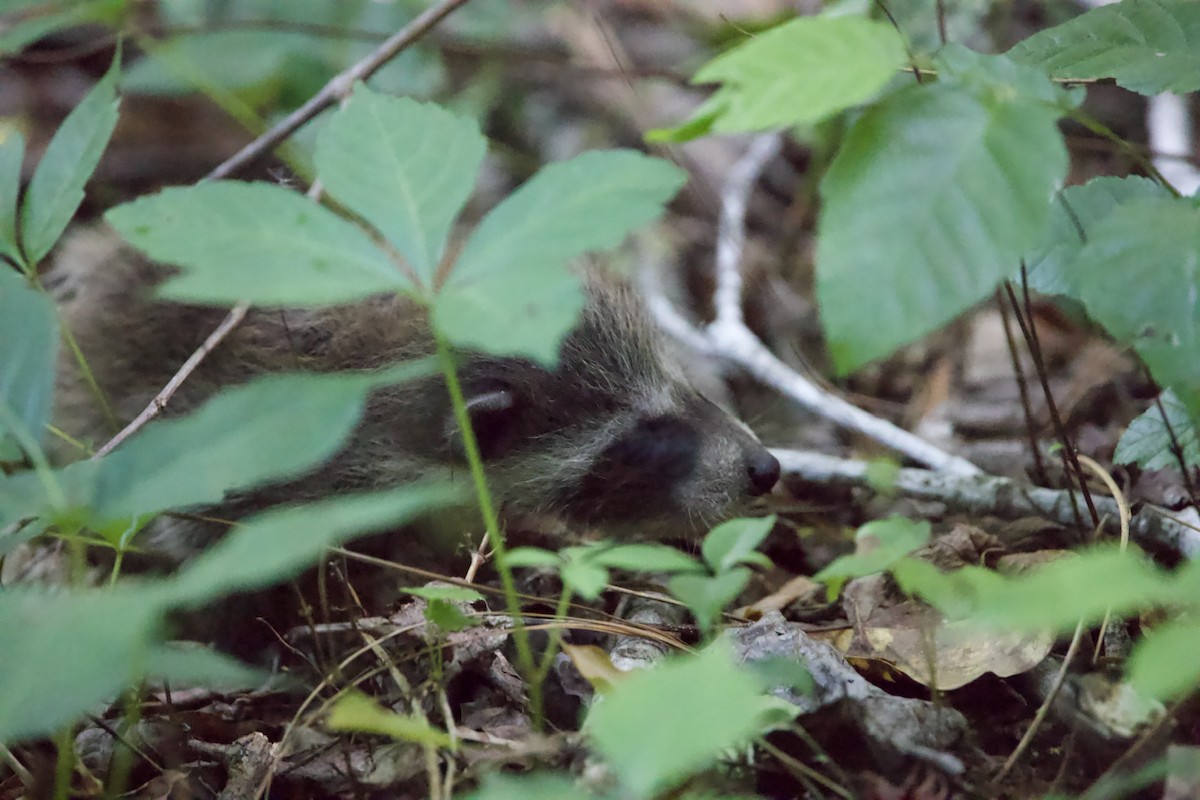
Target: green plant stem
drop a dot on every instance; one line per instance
(1139, 157)
(64, 762)
(491, 523)
(555, 638)
(36, 456)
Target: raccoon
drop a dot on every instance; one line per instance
(613, 438)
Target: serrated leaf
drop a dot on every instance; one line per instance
(1147, 440)
(646, 558)
(103, 636)
(802, 72)
(28, 348)
(1054, 267)
(511, 291)
(403, 166)
(935, 195)
(12, 154)
(276, 545)
(270, 429)
(356, 712)
(734, 542)
(244, 437)
(56, 188)
(661, 706)
(706, 595)
(1141, 286)
(1147, 46)
(877, 545)
(255, 242)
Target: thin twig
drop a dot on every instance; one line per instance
(1044, 710)
(1070, 452)
(1027, 333)
(235, 316)
(1039, 466)
(338, 87)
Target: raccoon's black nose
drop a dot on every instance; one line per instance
(764, 472)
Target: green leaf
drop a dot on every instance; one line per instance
(511, 291)
(705, 596)
(28, 348)
(275, 545)
(1141, 284)
(56, 188)
(193, 664)
(356, 712)
(273, 428)
(1166, 663)
(461, 594)
(405, 167)
(1079, 212)
(532, 557)
(646, 558)
(584, 577)
(66, 652)
(448, 617)
(244, 437)
(734, 542)
(14, 37)
(801, 72)
(12, 155)
(878, 545)
(1147, 46)
(232, 60)
(933, 198)
(1147, 441)
(663, 706)
(255, 242)
(1060, 594)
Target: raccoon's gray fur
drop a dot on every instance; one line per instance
(614, 437)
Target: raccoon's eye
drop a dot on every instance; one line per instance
(494, 418)
(658, 450)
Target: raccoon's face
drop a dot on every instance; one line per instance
(613, 436)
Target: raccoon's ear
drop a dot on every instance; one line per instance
(493, 416)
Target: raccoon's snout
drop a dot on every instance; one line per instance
(764, 472)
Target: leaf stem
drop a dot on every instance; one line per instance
(487, 508)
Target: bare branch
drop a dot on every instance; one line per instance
(1152, 527)
(728, 336)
